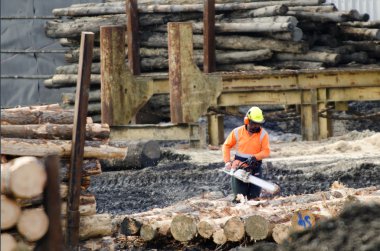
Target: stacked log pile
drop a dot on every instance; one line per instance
(23, 179)
(212, 217)
(40, 131)
(250, 35)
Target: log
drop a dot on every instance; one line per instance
(358, 57)
(60, 80)
(53, 131)
(370, 46)
(208, 227)
(69, 98)
(95, 225)
(361, 33)
(314, 56)
(23, 177)
(10, 213)
(295, 35)
(301, 220)
(273, 10)
(369, 24)
(151, 231)
(274, 19)
(297, 65)
(243, 67)
(234, 229)
(8, 242)
(40, 148)
(322, 8)
(140, 154)
(33, 224)
(92, 108)
(89, 167)
(84, 209)
(51, 107)
(35, 116)
(219, 237)
(258, 227)
(183, 227)
(130, 226)
(281, 232)
(336, 17)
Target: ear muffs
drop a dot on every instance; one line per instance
(246, 120)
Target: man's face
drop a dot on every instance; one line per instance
(253, 127)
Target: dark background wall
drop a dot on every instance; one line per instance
(28, 56)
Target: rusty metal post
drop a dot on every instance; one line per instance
(209, 64)
(77, 147)
(113, 67)
(174, 51)
(133, 36)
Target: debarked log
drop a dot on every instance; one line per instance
(140, 154)
(315, 56)
(10, 212)
(33, 224)
(153, 230)
(8, 242)
(234, 27)
(23, 177)
(258, 227)
(273, 10)
(96, 225)
(39, 147)
(183, 227)
(36, 116)
(54, 131)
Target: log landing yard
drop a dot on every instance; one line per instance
(131, 157)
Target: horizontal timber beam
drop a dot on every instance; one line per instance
(194, 133)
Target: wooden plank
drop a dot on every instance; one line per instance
(79, 131)
(209, 64)
(133, 36)
(216, 129)
(325, 124)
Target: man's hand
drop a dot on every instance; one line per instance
(228, 165)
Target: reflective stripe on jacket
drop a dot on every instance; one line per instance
(246, 145)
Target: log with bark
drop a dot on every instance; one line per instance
(142, 153)
(314, 56)
(33, 224)
(10, 212)
(69, 98)
(361, 33)
(368, 24)
(25, 116)
(53, 131)
(38, 147)
(89, 167)
(23, 177)
(59, 80)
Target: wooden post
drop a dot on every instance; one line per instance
(112, 41)
(79, 131)
(216, 129)
(309, 115)
(133, 36)
(209, 36)
(324, 124)
(53, 239)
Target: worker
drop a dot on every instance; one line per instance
(251, 143)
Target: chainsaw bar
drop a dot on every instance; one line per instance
(246, 177)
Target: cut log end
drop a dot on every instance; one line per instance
(257, 227)
(302, 220)
(234, 229)
(8, 243)
(205, 229)
(130, 226)
(33, 224)
(10, 212)
(219, 237)
(148, 232)
(183, 228)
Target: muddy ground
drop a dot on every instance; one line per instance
(298, 167)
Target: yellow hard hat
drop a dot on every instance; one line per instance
(255, 114)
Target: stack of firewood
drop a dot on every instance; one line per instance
(214, 218)
(23, 219)
(250, 35)
(43, 130)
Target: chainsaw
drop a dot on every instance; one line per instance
(246, 177)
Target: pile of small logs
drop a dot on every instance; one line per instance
(23, 218)
(250, 35)
(212, 217)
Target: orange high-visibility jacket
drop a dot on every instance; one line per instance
(256, 144)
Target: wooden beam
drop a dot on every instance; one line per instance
(133, 36)
(79, 132)
(209, 64)
(324, 124)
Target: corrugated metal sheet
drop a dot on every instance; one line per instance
(372, 7)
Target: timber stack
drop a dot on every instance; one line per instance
(250, 35)
(213, 218)
(27, 135)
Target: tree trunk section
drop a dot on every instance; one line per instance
(183, 227)
(40, 148)
(23, 177)
(234, 229)
(258, 227)
(274, 10)
(140, 154)
(33, 224)
(8, 242)
(150, 231)
(89, 167)
(10, 213)
(53, 131)
(314, 56)
(281, 232)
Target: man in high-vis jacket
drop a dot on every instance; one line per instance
(251, 143)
